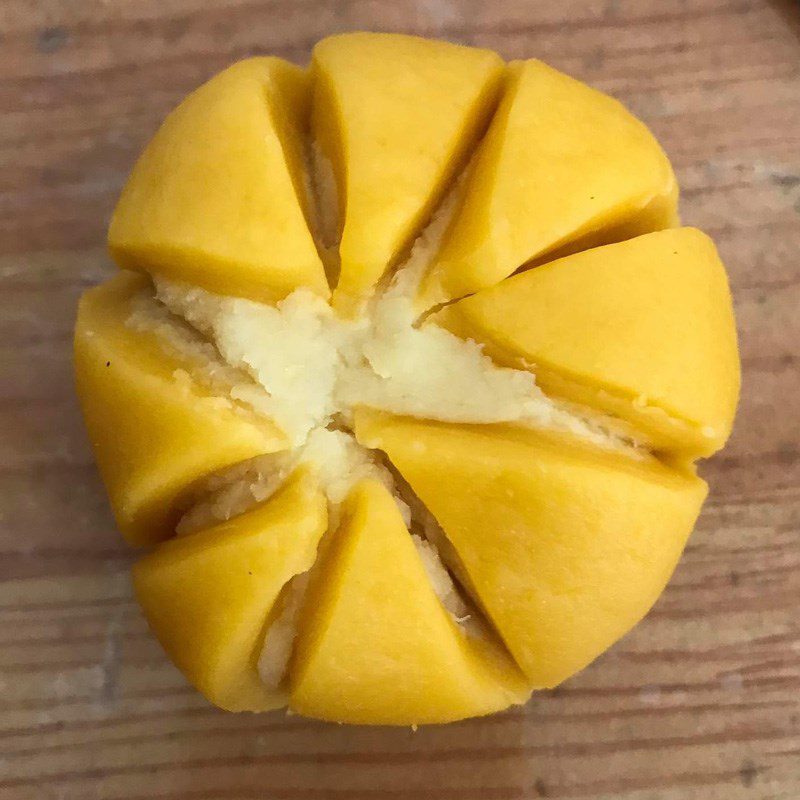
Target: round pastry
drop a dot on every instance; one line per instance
(403, 379)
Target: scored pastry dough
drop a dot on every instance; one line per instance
(403, 379)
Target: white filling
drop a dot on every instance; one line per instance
(340, 463)
(326, 207)
(337, 459)
(310, 366)
(273, 661)
(231, 387)
(235, 490)
(440, 579)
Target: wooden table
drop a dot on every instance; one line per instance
(701, 701)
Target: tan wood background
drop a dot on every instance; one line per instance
(701, 701)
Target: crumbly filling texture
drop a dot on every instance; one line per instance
(308, 367)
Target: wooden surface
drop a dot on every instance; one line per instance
(701, 701)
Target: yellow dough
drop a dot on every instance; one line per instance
(567, 548)
(154, 430)
(217, 198)
(643, 329)
(208, 596)
(395, 115)
(561, 162)
(403, 380)
(417, 665)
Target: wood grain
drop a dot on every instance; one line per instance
(701, 701)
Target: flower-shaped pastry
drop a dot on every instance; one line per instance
(403, 379)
